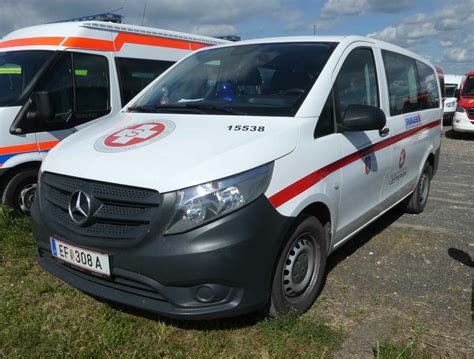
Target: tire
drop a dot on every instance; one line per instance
(300, 269)
(417, 201)
(20, 191)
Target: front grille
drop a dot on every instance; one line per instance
(119, 212)
(470, 112)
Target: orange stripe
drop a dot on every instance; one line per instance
(32, 41)
(31, 147)
(43, 146)
(92, 44)
(20, 148)
(123, 38)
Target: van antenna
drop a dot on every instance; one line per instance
(144, 10)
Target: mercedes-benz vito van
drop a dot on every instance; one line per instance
(224, 185)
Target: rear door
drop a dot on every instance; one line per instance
(414, 106)
(362, 179)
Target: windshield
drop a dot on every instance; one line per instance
(17, 69)
(261, 79)
(468, 88)
(450, 89)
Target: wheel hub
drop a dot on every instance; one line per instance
(299, 267)
(26, 197)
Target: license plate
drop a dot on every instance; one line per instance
(79, 257)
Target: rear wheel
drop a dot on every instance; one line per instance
(417, 201)
(20, 191)
(300, 270)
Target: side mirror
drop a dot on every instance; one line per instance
(363, 118)
(44, 110)
(456, 93)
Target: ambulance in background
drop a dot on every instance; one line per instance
(464, 117)
(58, 78)
(453, 83)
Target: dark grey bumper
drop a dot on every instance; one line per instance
(222, 269)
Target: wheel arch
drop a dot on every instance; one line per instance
(12, 171)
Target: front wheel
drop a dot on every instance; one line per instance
(20, 191)
(417, 201)
(300, 270)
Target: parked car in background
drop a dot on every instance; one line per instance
(56, 79)
(222, 188)
(452, 83)
(463, 120)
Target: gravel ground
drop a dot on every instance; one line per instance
(410, 277)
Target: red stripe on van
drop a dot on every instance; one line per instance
(298, 187)
(124, 38)
(32, 41)
(46, 146)
(87, 43)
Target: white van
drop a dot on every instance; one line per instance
(80, 72)
(453, 83)
(226, 183)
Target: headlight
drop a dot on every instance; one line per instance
(206, 202)
(450, 104)
(460, 109)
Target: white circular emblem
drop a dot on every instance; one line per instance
(134, 136)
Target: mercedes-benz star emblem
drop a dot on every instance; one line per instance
(79, 207)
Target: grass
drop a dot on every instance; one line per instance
(42, 317)
(400, 350)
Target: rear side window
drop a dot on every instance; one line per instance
(136, 74)
(428, 96)
(356, 83)
(412, 85)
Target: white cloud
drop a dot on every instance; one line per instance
(213, 29)
(333, 8)
(456, 54)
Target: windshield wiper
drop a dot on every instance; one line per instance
(185, 107)
(205, 107)
(142, 109)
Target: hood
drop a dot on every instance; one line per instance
(167, 152)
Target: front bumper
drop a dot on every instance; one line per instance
(221, 269)
(461, 123)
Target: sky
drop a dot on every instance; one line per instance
(442, 31)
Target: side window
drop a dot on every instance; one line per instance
(326, 125)
(402, 82)
(78, 88)
(356, 83)
(91, 77)
(58, 83)
(136, 74)
(429, 91)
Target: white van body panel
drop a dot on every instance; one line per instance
(355, 175)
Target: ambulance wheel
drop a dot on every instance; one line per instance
(20, 191)
(417, 201)
(300, 270)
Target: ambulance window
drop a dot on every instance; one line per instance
(91, 79)
(326, 125)
(58, 83)
(429, 91)
(136, 74)
(402, 82)
(356, 83)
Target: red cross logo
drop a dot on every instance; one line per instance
(134, 135)
(403, 156)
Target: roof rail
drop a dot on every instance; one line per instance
(233, 38)
(107, 17)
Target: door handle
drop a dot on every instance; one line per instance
(384, 132)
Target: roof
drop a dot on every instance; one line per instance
(102, 36)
